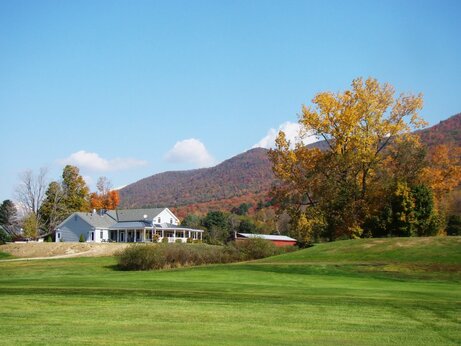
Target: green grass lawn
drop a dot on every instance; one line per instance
(4, 255)
(358, 292)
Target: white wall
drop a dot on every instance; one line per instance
(166, 216)
(97, 235)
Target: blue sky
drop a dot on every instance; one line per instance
(126, 89)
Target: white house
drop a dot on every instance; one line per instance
(128, 225)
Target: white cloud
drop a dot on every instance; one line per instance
(88, 180)
(93, 162)
(292, 134)
(190, 151)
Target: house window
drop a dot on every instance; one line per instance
(101, 235)
(159, 220)
(92, 236)
(171, 220)
(58, 235)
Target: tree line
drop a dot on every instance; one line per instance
(45, 205)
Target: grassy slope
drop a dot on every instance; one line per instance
(323, 295)
(430, 250)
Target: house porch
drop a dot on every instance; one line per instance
(147, 235)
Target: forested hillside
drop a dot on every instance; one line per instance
(245, 178)
(446, 132)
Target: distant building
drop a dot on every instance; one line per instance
(126, 226)
(277, 240)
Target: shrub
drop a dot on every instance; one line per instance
(256, 248)
(81, 239)
(48, 239)
(454, 225)
(141, 257)
(178, 241)
(165, 240)
(159, 256)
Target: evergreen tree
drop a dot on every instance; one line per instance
(8, 217)
(426, 220)
(191, 221)
(53, 209)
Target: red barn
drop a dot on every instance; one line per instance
(277, 240)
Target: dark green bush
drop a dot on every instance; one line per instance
(81, 239)
(454, 225)
(4, 237)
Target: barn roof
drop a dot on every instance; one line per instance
(266, 236)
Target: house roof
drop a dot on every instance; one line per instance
(112, 214)
(95, 219)
(130, 225)
(266, 236)
(123, 219)
(138, 214)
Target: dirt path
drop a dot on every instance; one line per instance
(30, 251)
(80, 254)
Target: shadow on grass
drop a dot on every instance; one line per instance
(114, 267)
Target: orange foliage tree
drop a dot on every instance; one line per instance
(105, 198)
(443, 173)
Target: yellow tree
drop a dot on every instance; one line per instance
(356, 126)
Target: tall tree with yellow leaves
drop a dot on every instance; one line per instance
(357, 126)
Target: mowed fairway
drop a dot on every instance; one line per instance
(356, 292)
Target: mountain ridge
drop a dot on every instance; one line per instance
(244, 178)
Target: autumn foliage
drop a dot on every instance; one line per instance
(108, 201)
(105, 198)
(371, 169)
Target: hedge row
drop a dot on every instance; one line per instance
(160, 256)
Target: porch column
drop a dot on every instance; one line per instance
(174, 235)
